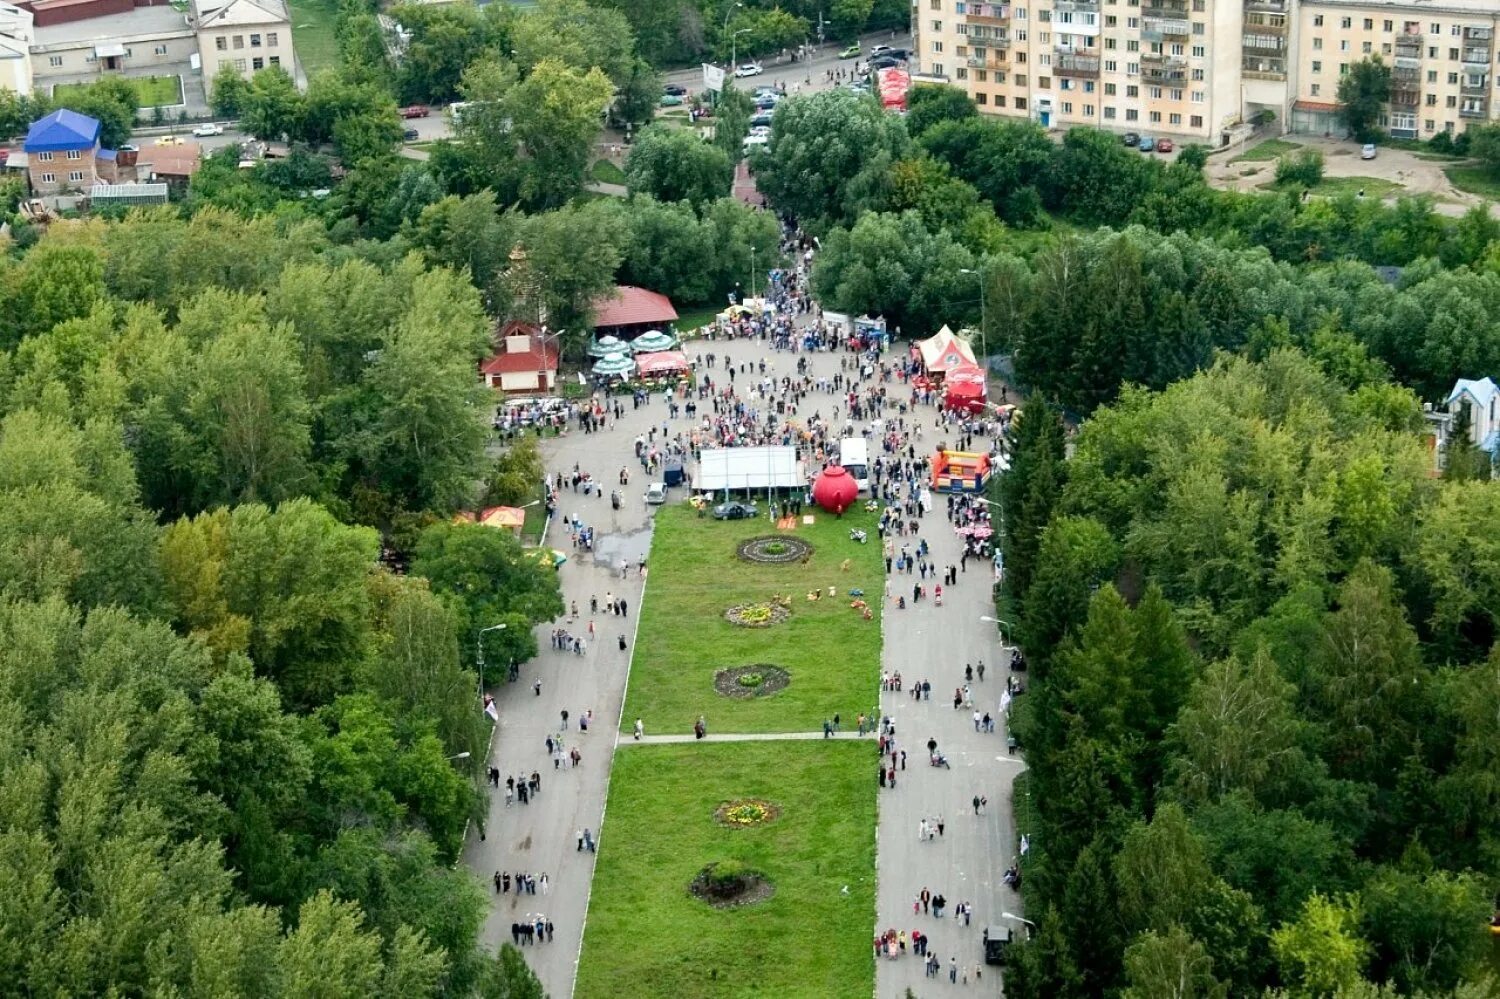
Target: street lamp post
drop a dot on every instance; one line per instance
(734, 48)
(983, 349)
(479, 654)
(1019, 919)
(1003, 625)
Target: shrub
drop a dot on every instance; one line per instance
(1303, 169)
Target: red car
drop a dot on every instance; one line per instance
(416, 111)
(1164, 145)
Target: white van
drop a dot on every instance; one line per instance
(854, 455)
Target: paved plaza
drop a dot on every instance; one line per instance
(922, 642)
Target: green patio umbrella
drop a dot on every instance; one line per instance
(606, 345)
(614, 365)
(652, 341)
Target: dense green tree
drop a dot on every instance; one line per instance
(1427, 931)
(272, 108)
(229, 94)
(1170, 965)
(673, 164)
(1322, 950)
(732, 112)
(113, 103)
(1363, 92)
(927, 106)
(827, 152)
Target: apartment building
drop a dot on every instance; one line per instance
(1196, 69)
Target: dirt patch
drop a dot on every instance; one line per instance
(743, 813)
(774, 549)
(755, 680)
(730, 885)
(761, 614)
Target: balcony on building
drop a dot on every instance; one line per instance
(1159, 29)
(1075, 6)
(1266, 6)
(988, 13)
(1409, 47)
(1474, 86)
(1478, 33)
(1475, 109)
(982, 59)
(1262, 68)
(1159, 68)
(1476, 57)
(1272, 45)
(1073, 63)
(1165, 8)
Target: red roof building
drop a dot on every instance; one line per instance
(628, 312)
(526, 361)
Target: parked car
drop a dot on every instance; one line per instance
(1164, 145)
(878, 49)
(762, 130)
(656, 493)
(736, 511)
(1131, 139)
(169, 140)
(748, 69)
(1147, 144)
(901, 54)
(674, 88)
(767, 103)
(206, 129)
(1367, 151)
(852, 52)
(670, 100)
(416, 111)
(760, 118)
(410, 135)
(884, 62)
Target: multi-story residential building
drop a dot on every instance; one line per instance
(1199, 68)
(61, 152)
(247, 35)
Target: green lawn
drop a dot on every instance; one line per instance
(151, 91)
(1266, 151)
(605, 172)
(313, 34)
(1475, 180)
(832, 653)
(1334, 187)
(648, 937)
(692, 319)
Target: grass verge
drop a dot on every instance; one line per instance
(605, 172)
(831, 651)
(314, 35)
(1335, 187)
(1263, 152)
(692, 319)
(1474, 180)
(647, 936)
(150, 91)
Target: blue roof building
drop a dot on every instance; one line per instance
(60, 131)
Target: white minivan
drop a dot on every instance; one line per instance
(854, 455)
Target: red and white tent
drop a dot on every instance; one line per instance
(661, 362)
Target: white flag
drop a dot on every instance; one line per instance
(1025, 844)
(490, 709)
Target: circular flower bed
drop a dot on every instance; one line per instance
(755, 680)
(746, 812)
(774, 549)
(729, 884)
(757, 615)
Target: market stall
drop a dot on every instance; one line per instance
(666, 362)
(615, 365)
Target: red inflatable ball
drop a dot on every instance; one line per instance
(835, 489)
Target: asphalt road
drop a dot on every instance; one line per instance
(541, 837)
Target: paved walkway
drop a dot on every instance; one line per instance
(541, 837)
(927, 642)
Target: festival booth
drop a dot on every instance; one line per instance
(665, 362)
(607, 345)
(964, 389)
(505, 518)
(939, 354)
(653, 341)
(960, 472)
(749, 468)
(615, 365)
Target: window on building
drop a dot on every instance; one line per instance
(239, 41)
(1109, 114)
(271, 41)
(1176, 95)
(74, 154)
(1199, 6)
(161, 50)
(1156, 117)
(1317, 89)
(937, 46)
(75, 175)
(1434, 28)
(44, 157)
(257, 64)
(1198, 97)
(1452, 101)
(1109, 90)
(1020, 104)
(255, 41)
(239, 64)
(1174, 119)
(999, 100)
(1427, 125)
(1065, 84)
(1453, 54)
(1388, 26)
(221, 43)
(1044, 82)
(1131, 90)
(1198, 52)
(1365, 47)
(54, 60)
(1109, 43)
(982, 76)
(1132, 69)
(1432, 76)
(1067, 107)
(1196, 121)
(937, 69)
(51, 178)
(1345, 22)
(1088, 86)
(1317, 20)
(981, 98)
(1452, 78)
(1132, 45)
(1110, 66)
(1343, 45)
(1155, 93)
(937, 25)
(1109, 20)
(1197, 76)
(1431, 100)
(1131, 114)
(1343, 69)
(1317, 44)
(961, 72)
(1020, 80)
(1455, 31)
